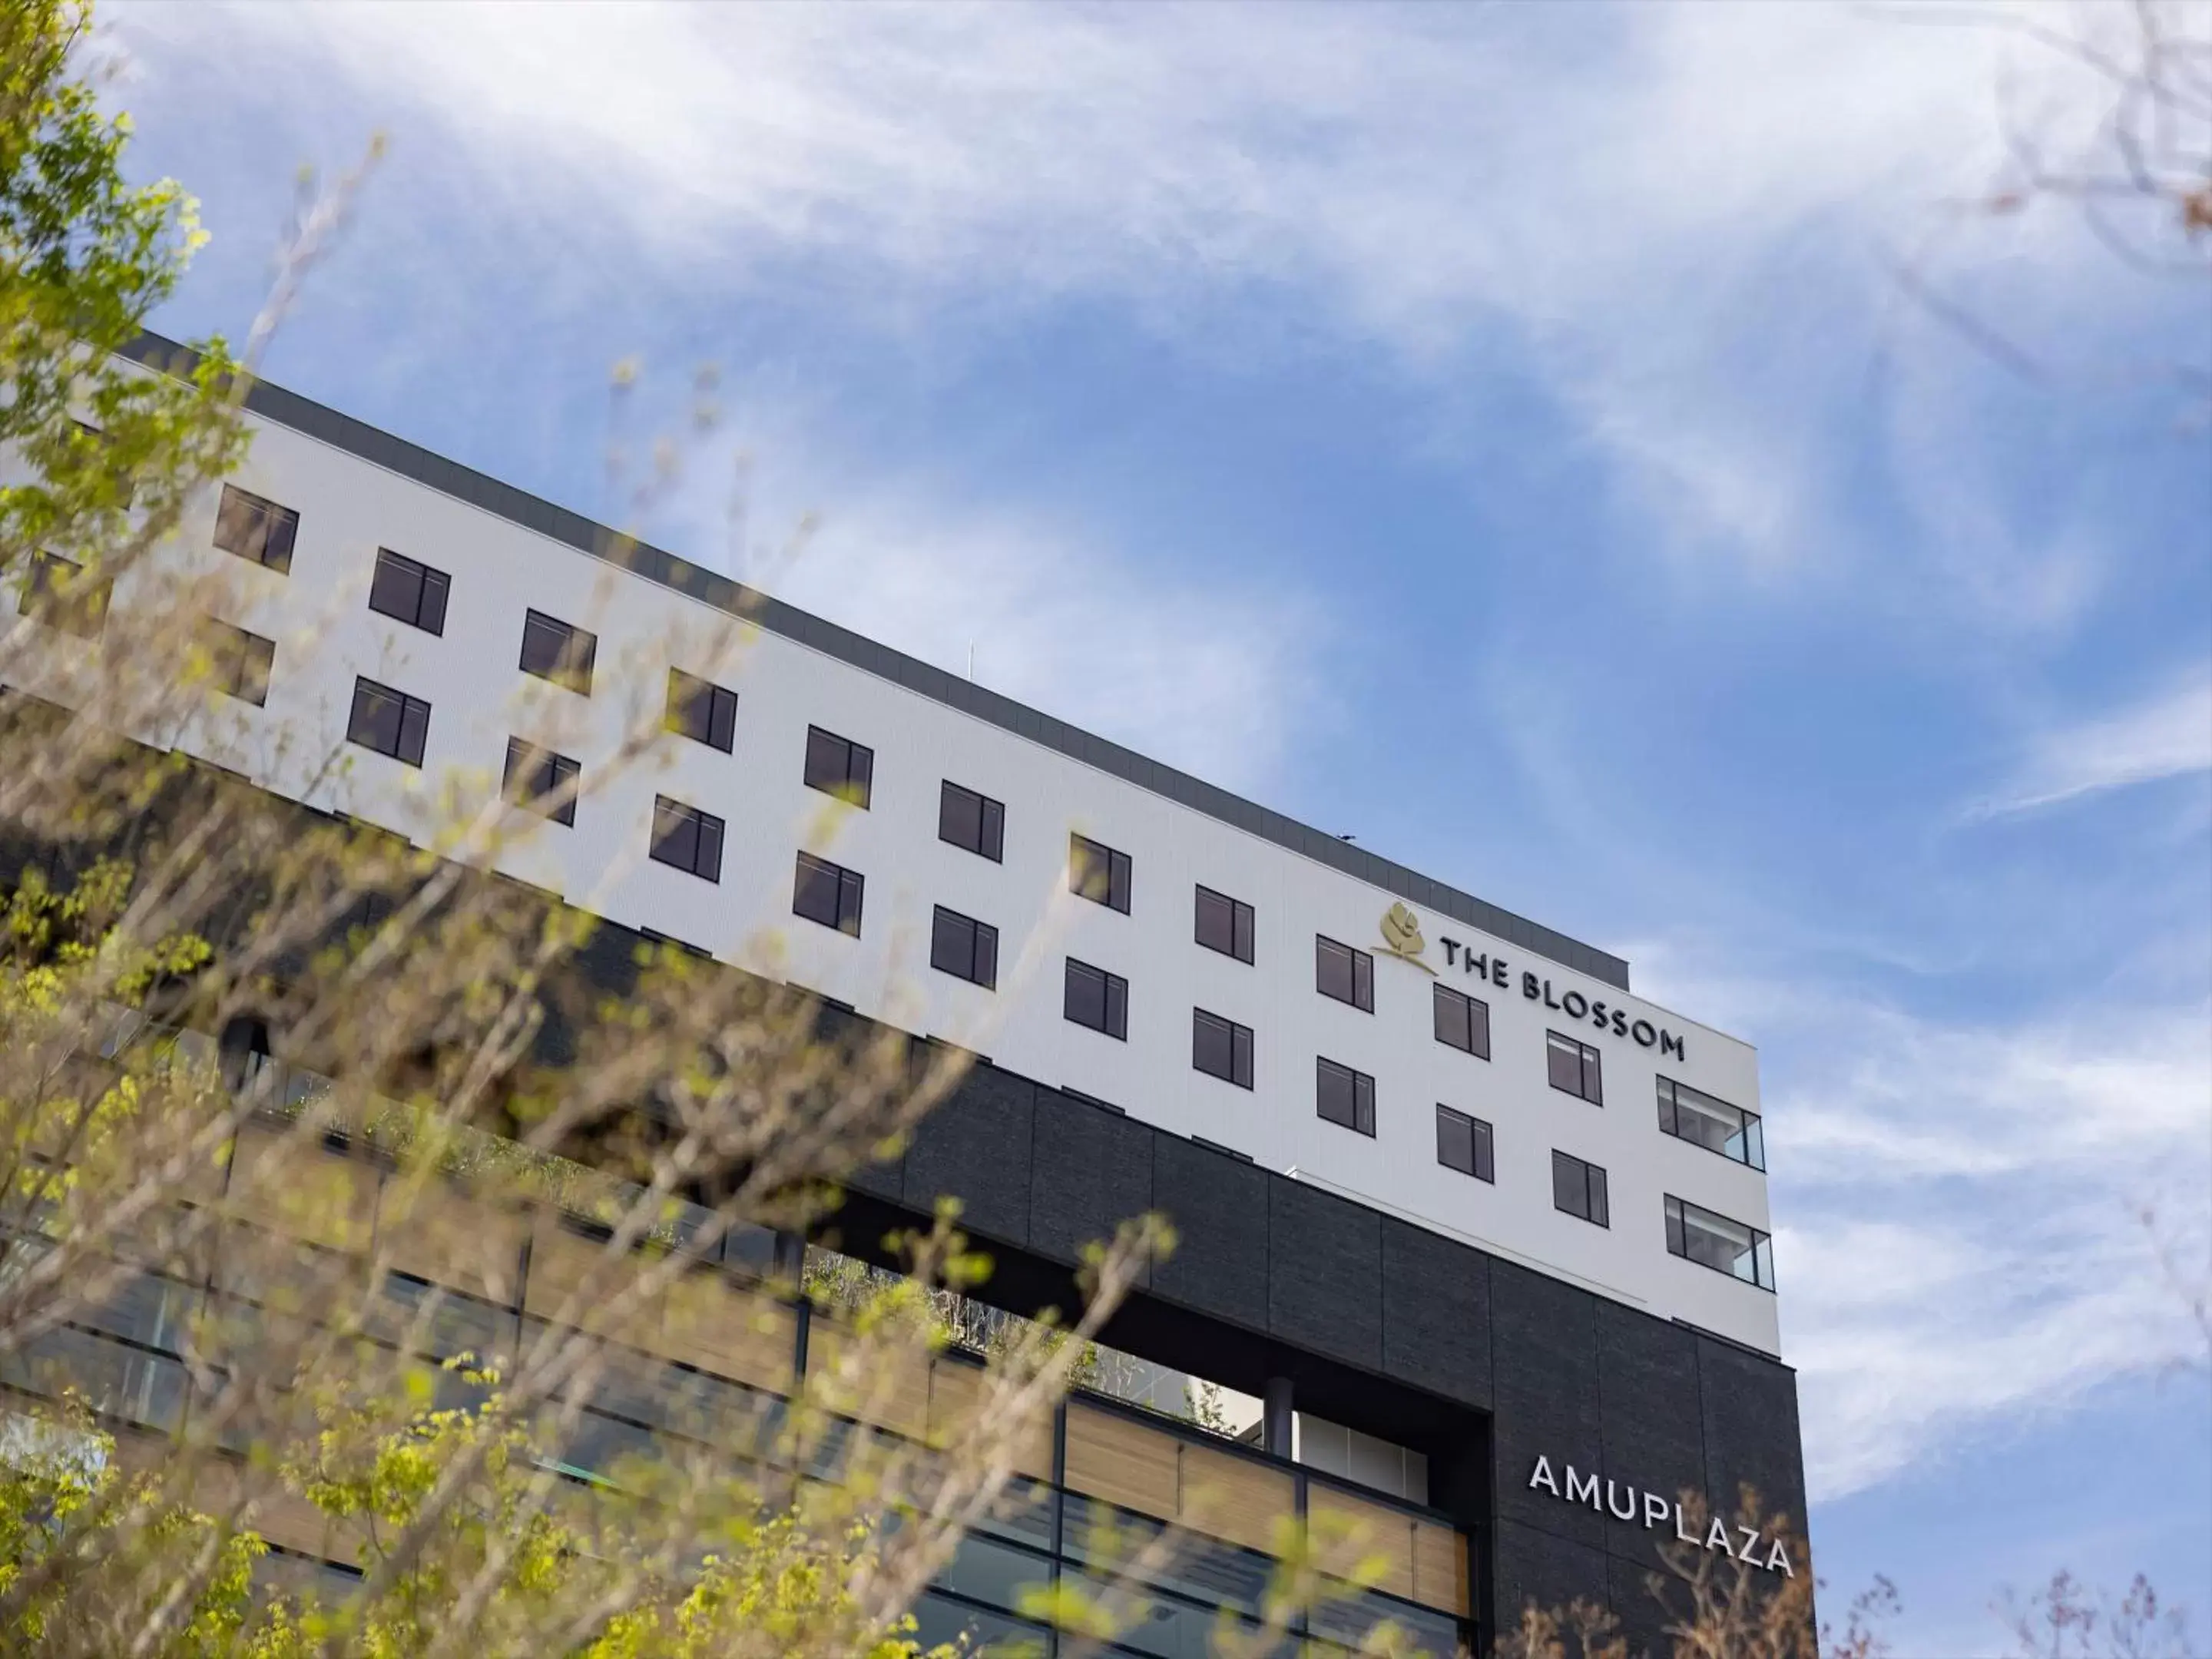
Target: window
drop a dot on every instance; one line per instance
(1690, 1115)
(534, 773)
(1225, 925)
(389, 722)
(964, 948)
(827, 893)
(1462, 1021)
(1343, 973)
(1097, 872)
(1098, 999)
(702, 711)
(1714, 1242)
(239, 661)
(972, 821)
(838, 766)
(409, 591)
(1463, 1144)
(1574, 1067)
(61, 596)
(1344, 1096)
(687, 838)
(256, 528)
(1221, 1047)
(1579, 1188)
(553, 651)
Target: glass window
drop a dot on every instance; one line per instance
(1224, 924)
(964, 948)
(536, 775)
(1097, 872)
(1098, 999)
(702, 711)
(1343, 973)
(1579, 1188)
(1690, 1115)
(389, 722)
(555, 651)
(1345, 1096)
(256, 528)
(687, 838)
(1221, 1047)
(972, 821)
(240, 662)
(1714, 1241)
(1462, 1021)
(827, 893)
(838, 766)
(1463, 1144)
(1573, 1068)
(406, 590)
(59, 595)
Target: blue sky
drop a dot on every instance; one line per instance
(1498, 434)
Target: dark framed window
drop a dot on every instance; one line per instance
(1097, 872)
(254, 527)
(1713, 1240)
(1693, 1115)
(964, 948)
(1343, 973)
(702, 711)
(239, 662)
(1221, 1047)
(687, 838)
(1096, 998)
(973, 821)
(1463, 1143)
(1573, 1068)
(1579, 1188)
(1224, 924)
(827, 893)
(1344, 1097)
(542, 781)
(407, 590)
(556, 651)
(61, 596)
(1462, 1021)
(389, 722)
(838, 766)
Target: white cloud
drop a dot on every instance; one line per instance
(2167, 734)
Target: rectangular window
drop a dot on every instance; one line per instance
(553, 651)
(827, 893)
(406, 590)
(239, 662)
(1221, 1047)
(964, 948)
(1713, 1240)
(1098, 999)
(702, 711)
(1462, 1021)
(1690, 1115)
(971, 821)
(1343, 973)
(61, 596)
(838, 766)
(1344, 1096)
(1579, 1188)
(1463, 1144)
(256, 528)
(1097, 872)
(1224, 924)
(1573, 1068)
(389, 722)
(687, 838)
(535, 776)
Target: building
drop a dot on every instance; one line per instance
(1477, 1236)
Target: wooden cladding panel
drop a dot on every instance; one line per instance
(1349, 1531)
(1234, 1499)
(1440, 1571)
(285, 1182)
(888, 1388)
(956, 1392)
(436, 1232)
(572, 1282)
(1123, 1461)
(730, 1331)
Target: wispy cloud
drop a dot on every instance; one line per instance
(2167, 734)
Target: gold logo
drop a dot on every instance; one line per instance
(1401, 936)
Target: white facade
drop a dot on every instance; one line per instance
(348, 508)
